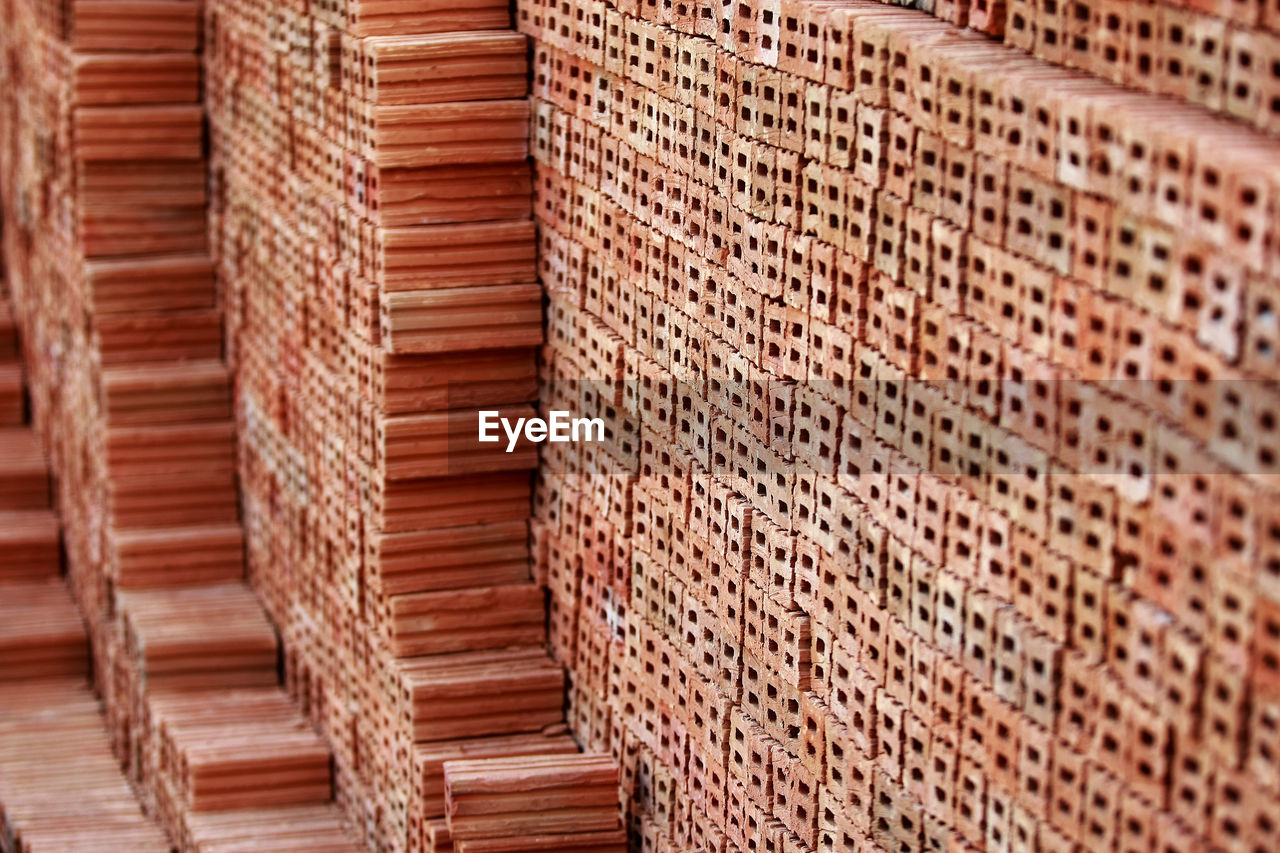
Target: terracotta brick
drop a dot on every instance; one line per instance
(970, 796)
(978, 716)
(795, 796)
(848, 776)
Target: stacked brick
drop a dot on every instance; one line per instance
(522, 804)
(103, 179)
(53, 735)
(937, 509)
(53, 743)
(374, 239)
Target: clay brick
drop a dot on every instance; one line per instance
(999, 817)
(786, 640)
(988, 16)
(898, 665)
(795, 796)
(1009, 657)
(1173, 835)
(1223, 710)
(897, 819)
(1040, 220)
(1089, 613)
(1034, 768)
(1066, 811)
(1101, 806)
(970, 796)
(1022, 24)
(815, 436)
(869, 56)
(793, 19)
(817, 122)
(953, 11)
(958, 186)
(848, 775)
(1149, 745)
(916, 272)
(939, 347)
(1191, 786)
(870, 145)
(751, 756)
(836, 50)
(959, 67)
(995, 571)
(929, 173)
(1078, 698)
(859, 221)
(900, 176)
(948, 262)
(837, 833)
(940, 778)
(979, 709)
(1265, 663)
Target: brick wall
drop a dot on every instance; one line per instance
(939, 371)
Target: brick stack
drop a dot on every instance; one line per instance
(104, 187)
(937, 510)
(373, 233)
(61, 789)
(534, 803)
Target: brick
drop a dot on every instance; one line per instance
(940, 777)
(848, 776)
(1102, 806)
(870, 144)
(929, 171)
(999, 816)
(970, 796)
(1148, 748)
(979, 711)
(1008, 657)
(988, 16)
(958, 186)
(1034, 769)
(900, 176)
(1223, 710)
(795, 800)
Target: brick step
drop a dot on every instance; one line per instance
(178, 556)
(29, 541)
(232, 750)
(24, 479)
(207, 637)
(304, 829)
(156, 394)
(13, 407)
(41, 633)
(61, 790)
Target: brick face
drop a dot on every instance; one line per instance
(966, 312)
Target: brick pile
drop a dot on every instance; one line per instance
(937, 509)
(103, 180)
(53, 734)
(522, 804)
(373, 234)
